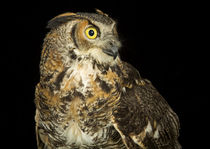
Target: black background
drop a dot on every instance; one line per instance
(161, 40)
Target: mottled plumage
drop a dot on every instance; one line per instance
(88, 97)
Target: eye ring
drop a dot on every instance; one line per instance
(91, 33)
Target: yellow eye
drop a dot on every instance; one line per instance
(91, 33)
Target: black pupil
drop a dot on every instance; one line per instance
(91, 32)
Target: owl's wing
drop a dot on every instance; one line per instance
(143, 117)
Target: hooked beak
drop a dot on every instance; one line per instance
(113, 51)
(112, 47)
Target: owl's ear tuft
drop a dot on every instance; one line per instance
(61, 19)
(101, 12)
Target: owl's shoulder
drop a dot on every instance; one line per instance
(143, 115)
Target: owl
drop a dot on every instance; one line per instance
(88, 98)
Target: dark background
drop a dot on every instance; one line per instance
(162, 41)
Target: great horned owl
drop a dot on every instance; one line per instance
(88, 97)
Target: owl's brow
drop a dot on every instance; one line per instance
(96, 17)
(54, 23)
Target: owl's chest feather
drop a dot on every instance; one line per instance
(88, 80)
(75, 135)
(93, 95)
(79, 76)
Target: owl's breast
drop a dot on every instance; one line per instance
(91, 95)
(76, 104)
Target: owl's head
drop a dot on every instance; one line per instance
(86, 35)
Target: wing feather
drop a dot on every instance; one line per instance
(143, 117)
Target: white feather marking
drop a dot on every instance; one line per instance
(156, 134)
(75, 135)
(124, 90)
(83, 72)
(148, 128)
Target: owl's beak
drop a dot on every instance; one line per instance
(111, 52)
(111, 48)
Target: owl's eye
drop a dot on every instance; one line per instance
(91, 32)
